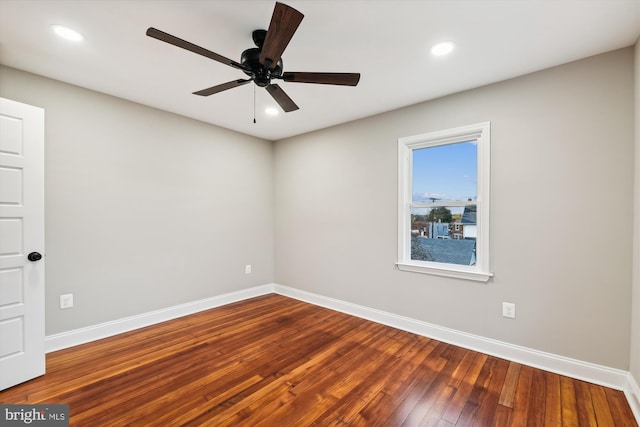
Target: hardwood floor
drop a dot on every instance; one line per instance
(276, 361)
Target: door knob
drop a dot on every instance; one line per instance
(34, 256)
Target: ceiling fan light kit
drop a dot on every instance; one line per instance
(263, 63)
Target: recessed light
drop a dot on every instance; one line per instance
(271, 111)
(67, 33)
(442, 49)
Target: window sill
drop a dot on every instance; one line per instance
(446, 272)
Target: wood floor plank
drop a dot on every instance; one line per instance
(459, 399)
(520, 414)
(552, 400)
(537, 401)
(584, 402)
(485, 413)
(274, 360)
(601, 406)
(569, 406)
(508, 393)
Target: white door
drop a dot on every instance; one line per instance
(21, 241)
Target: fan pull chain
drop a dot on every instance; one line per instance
(254, 103)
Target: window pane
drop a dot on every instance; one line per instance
(445, 173)
(444, 234)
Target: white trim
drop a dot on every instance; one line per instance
(103, 330)
(597, 374)
(593, 373)
(451, 270)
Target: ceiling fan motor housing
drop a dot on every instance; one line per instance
(249, 59)
(252, 67)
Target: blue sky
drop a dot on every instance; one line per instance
(446, 172)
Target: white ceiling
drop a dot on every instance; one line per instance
(388, 42)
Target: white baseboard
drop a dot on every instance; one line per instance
(593, 373)
(103, 330)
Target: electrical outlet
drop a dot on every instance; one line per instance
(247, 269)
(66, 301)
(509, 310)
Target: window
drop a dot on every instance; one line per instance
(443, 202)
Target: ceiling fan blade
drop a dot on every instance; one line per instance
(282, 98)
(344, 79)
(221, 87)
(284, 23)
(168, 38)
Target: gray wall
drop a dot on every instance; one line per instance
(635, 301)
(144, 209)
(562, 200)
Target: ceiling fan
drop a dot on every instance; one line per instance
(264, 62)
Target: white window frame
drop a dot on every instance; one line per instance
(479, 132)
